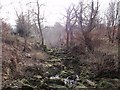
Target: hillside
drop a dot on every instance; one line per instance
(52, 69)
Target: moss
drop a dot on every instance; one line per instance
(80, 85)
(65, 74)
(25, 81)
(105, 84)
(54, 81)
(27, 87)
(57, 87)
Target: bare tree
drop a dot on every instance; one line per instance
(31, 19)
(111, 17)
(38, 20)
(86, 22)
(23, 27)
(70, 22)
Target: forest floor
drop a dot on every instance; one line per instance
(56, 69)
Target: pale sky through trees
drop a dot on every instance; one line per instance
(54, 9)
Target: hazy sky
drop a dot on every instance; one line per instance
(54, 9)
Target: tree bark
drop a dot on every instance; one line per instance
(39, 23)
(118, 17)
(119, 45)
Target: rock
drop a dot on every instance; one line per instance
(115, 82)
(105, 84)
(54, 60)
(54, 81)
(72, 77)
(53, 70)
(37, 77)
(43, 86)
(57, 87)
(90, 83)
(6, 88)
(55, 77)
(80, 85)
(109, 83)
(28, 55)
(24, 81)
(26, 87)
(65, 74)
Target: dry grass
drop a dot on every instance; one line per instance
(15, 60)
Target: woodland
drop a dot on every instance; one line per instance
(83, 52)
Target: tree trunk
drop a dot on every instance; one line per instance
(39, 24)
(113, 34)
(118, 17)
(67, 40)
(119, 45)
(25, 43)
(88, 41)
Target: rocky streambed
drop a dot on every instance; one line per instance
(61, 71)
